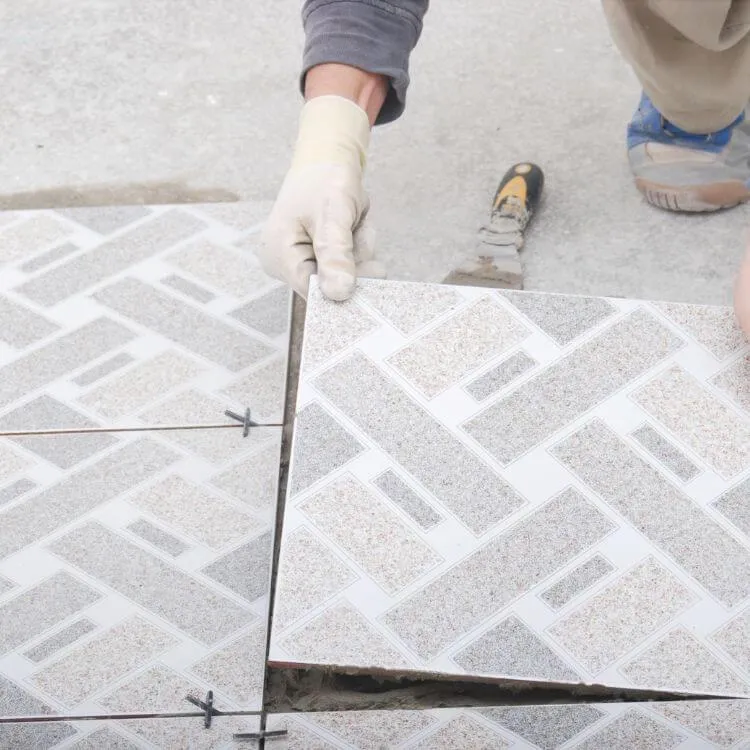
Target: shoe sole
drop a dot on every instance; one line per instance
(695, 199)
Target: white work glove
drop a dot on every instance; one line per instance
(319, 221)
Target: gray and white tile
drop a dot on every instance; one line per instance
(136, 565)
(699, 725)
(130, 734)
(564, 501)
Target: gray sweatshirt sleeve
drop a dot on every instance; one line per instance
(374, 35)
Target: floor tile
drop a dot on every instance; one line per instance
(578, 520)
(135, 566)
(131, 734)
(615, 726)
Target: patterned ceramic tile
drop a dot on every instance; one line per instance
(580, 521)
(130, 734)
(700, 725)
(134, 561)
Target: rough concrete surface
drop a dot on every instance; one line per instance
(115, 101)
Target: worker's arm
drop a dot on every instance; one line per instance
(355, 73)
(373, 35)
(367, 90)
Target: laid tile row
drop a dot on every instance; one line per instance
(135, 567)
(694, 725)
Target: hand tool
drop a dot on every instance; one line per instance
(497, 262)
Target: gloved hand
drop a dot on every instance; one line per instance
(319, 221)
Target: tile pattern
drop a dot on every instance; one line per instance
(135, 559)
(562, 317)
(494, 380)
(702, 725)
(664, 452)
(129, 734)
(581, 520)
(577, 581)
(732, 381)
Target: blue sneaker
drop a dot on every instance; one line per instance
(680, 171)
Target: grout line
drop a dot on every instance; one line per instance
(294, 353)
(154, 428)
(47, 718)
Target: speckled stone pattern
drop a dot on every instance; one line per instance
(134, 567)
(594, 726)
(131, 734)
(520, 485)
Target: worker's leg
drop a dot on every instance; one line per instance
(689, 144)
(692, 56)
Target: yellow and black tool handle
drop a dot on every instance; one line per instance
(519, 192)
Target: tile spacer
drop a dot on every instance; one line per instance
(207, 706)
(244, 420)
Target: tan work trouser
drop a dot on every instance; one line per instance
(692, 57)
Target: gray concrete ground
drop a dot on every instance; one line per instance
(110, 101)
